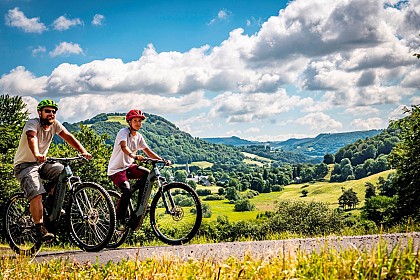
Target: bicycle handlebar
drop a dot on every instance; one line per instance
(155, 161)
(66, 159)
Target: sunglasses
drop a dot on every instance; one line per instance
(50, 111)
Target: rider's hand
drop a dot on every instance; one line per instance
(40, 158)
(86, 155)
(139, 157)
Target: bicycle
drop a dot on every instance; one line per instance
(175, 209)
(89, 215)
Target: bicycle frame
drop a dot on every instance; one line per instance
(65, 179)
(143, 199)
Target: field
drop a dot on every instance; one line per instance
(120, 119)
(318, 191)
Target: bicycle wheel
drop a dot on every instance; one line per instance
(178, 225)
(91, 217)
(119, 236)
(19, 226)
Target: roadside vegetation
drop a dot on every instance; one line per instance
(378, 263)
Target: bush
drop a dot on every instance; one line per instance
(203, 192)
(206, 210)
(276, 188)
(243, 204)
(214, 197)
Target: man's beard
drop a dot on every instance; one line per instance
(46, 121)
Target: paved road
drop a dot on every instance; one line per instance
(221, 251)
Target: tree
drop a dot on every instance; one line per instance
(13, 116)
(180, 176)
(405, 159)
(348, 198)
(232, 194)
(328, 159)
(370, 190)
(380, 209)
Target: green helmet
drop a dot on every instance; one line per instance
(47, 103)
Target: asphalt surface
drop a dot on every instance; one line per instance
(222, 251)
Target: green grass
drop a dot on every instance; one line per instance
(252, 159)
(120, 119)
(324, 263)
(319, 191)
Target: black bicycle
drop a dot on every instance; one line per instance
(175, 208)
(89, 214)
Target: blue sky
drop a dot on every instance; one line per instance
(260, 70)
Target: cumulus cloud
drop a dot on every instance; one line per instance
(121, 102)
(62, 23)
(22, 82)
(98, 19)
(319, 122)
(16, 18)
(66, 49)
(352, 55)
(367, 124)
(249, 107)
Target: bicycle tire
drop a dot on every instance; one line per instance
(19, 227)
(180, 226)
(90, 217)
(119, 237)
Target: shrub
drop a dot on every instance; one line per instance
(203, 192)
(243, 205)
(214, 197)
(276, 188)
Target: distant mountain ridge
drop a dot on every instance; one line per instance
(168, 140)
(315, 147)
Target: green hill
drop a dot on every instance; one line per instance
(165, 139)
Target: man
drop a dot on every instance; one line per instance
(121, 166)
(29, 163)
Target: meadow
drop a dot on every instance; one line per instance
(317, 191)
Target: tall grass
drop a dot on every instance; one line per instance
(326, 263)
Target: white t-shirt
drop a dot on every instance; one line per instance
(119, 161)
(45, 137)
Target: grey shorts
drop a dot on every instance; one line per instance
(31, 174)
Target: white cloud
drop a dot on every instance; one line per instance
(22, 82)
(88, 105)
(66, 49)
(62, 23)
(98, 19)
(319, 122)
(367, 124)
(362, 111)
(350, 56)
(17, 18)
(247, 107)
(222, 15)
(38, 50)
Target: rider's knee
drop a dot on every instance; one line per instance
(125, 187)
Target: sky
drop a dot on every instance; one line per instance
(261, 70)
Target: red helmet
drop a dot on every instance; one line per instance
(134, 114)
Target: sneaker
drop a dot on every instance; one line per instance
(43, 235)
(120, 225)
